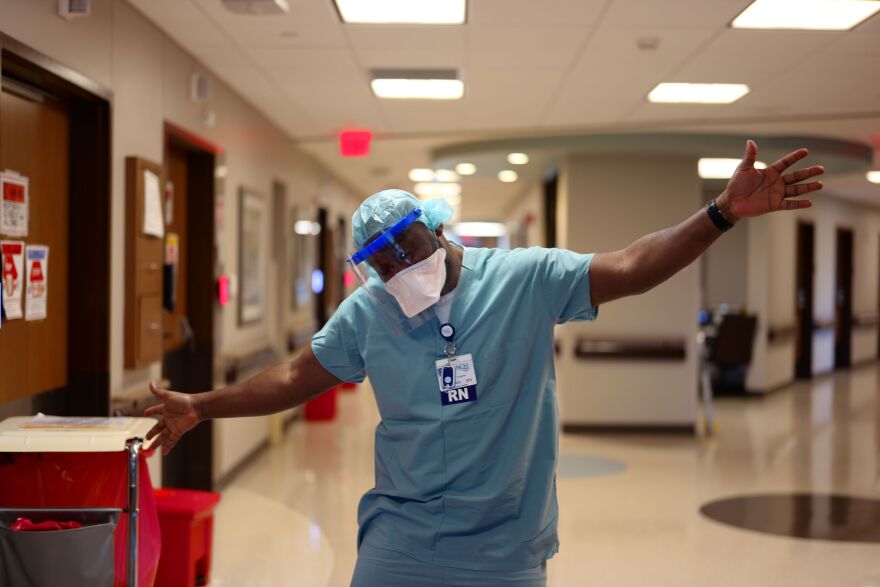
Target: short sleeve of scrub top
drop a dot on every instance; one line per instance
(565, 279)
(335, 346)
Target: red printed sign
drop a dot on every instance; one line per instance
(12, 253)
(14, 206)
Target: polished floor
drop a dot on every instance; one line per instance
(630, 506)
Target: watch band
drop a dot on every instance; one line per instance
(717, 218)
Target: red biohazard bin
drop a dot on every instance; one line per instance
(322, 407)
(186, 519)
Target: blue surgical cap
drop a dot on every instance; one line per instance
(382, 209)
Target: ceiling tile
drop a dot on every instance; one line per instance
(673, 14)
(194, 34)
(565, 13)
(405, 38)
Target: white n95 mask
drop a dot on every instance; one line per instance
(417, 288)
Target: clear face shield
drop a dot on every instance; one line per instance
(403, 269)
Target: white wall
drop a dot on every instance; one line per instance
(599, 212)
(725, 268)
(531, 205)
(149, 77)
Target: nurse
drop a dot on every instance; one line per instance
(458, 346)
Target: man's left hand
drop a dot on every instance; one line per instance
(753, 192)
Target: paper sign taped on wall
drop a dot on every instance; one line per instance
(12, 255)
(13, 204)
(37, 259)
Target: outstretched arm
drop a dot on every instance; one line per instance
(275, 389)
(654, 258)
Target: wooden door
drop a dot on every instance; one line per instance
(35, 141)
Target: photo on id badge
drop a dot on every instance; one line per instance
(458, 380)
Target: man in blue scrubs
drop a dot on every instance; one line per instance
(458, 346)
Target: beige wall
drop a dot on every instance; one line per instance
(771, 284)
(598, 212)
(149, 77)
(531, 203)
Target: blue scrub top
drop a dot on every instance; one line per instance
(469, 485)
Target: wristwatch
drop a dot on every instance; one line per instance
(717, 218)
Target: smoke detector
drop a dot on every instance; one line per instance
(68, 9)
(257, 6)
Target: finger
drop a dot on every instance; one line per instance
(152, 410)
(802, 174)
(748, 160)
(789, 160)
(155, 430)
(792, 191)
(158, 391)
(796, 204)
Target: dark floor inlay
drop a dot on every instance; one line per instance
(801, 515)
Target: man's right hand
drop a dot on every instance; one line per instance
(177, 416)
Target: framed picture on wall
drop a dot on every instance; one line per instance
(253, 245)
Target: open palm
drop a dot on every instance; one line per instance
(178, 416)
(753, 192)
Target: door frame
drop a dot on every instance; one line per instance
(843, 286)
(87, 392)
(804, 323)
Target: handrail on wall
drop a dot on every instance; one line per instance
(631, 349)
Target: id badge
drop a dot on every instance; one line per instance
(458, 380)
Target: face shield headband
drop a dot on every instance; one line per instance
(386, 238)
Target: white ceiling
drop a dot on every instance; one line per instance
(531, 67)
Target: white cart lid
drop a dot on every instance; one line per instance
(59, 434)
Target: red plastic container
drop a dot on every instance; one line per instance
(186, 518)
(93, 479)
(322, 407)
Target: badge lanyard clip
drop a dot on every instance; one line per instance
(448, 332)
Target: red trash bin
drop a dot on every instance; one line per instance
(322, 407)
(186, 519)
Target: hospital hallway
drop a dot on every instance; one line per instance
(629, 504)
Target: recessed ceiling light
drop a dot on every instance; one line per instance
(714, 168)
(437, 190)
(402, 11)
(421, 174)
(824, 15)
(698, 93)
(873, 176)
(445, 175)
(466, 168)
(517, 158)
(479, 229)
(507, 176)
(429, 84)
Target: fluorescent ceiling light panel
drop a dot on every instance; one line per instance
(819, 15)
(479, 229)
(712, 168)
(466, 169)
(306, 227)
(402, 11)
(445, 175)
(517, 158)
(873, 176)
(418, 89)
(674, 93)
(508, 176)
(421, 175)
(437, 190)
